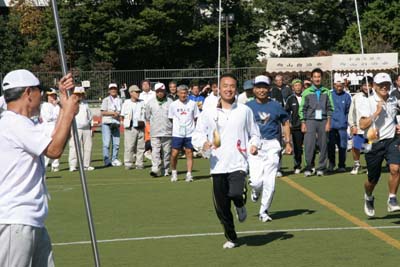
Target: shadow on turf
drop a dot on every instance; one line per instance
(388, 217)
(289, 213)
(260, 240)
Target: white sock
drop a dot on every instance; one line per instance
(369, 198)
(392, 195)
(174, 172)
(189, 173)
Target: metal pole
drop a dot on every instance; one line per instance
(227, 41)
(219, 44)
(76, 140)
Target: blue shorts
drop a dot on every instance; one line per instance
(182, 142)
(358, 141)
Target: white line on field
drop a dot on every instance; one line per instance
(57, 186)
(214, 234)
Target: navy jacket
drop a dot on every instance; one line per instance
(340, 114)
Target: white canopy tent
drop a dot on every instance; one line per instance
(336, 62)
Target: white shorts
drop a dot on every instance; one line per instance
(24, 245)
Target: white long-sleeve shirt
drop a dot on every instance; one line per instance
(357, 102)
(211, 101)
(238, 131)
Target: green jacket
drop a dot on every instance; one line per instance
(309, 103)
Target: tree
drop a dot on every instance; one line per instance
(380, 27)
(306, 26)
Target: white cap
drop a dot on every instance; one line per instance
(79, 90)
(382, 77)
(86, 84)
(339, 80)
(112, 85)
(262, 80)
(159, 86)
(52, 91)
(20, 78)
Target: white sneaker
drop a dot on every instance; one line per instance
(369, 207)
(90, 168)
(264, 217)
(166, 172)
(174, 176)
(72, 169)
(116, 163)
(147, 155)
(278, 174)
(241, 213)
(355, 169)
(254, 195)
(393, 205)
(189, 177)
(297, 171)
(228, 244)
(55, 169)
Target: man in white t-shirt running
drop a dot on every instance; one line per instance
(183, 114)
(24, 240)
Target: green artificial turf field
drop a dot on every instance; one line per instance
(145, 221)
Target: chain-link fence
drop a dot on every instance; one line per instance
(99, 80)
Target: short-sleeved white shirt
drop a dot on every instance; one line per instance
(23, 194)
(111, 104)
(147, 96)
(386, 119)
(133, 112)
(183, 117)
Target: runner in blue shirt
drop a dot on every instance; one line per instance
(269, 116)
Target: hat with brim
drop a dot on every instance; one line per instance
(382, 77)
(52, 91)
(159, 86)
(79, 90)
(262, 81)
(134, 88)
(21, 79)
(295, 81)
(112, 86)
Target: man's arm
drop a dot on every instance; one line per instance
(286, 138)
(366, 122)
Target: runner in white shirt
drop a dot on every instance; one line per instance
(24, 240)
(83, 123)
(49, 112)
(229, 132)
(133, 111)
(183, 114)
(378, 120)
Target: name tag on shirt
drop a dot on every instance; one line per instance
(318, 114)
(182, 130)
